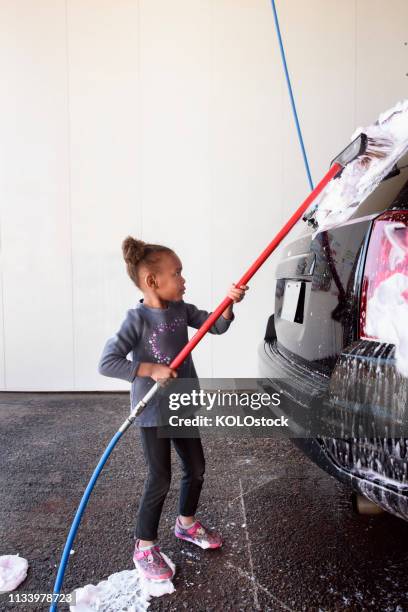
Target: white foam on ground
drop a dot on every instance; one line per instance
(342, 196)
(13, 570)
(125, 591)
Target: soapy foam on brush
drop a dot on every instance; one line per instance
(342, 196)
(123, 591)
(13, 570)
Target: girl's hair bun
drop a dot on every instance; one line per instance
(136, 251)
(133, 250)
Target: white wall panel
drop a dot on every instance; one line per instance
(319, 38)
(170, 121)
(36, 250)
(175, 69)
(105, 190)
(260, 148)
(381, 57)
(246, 138)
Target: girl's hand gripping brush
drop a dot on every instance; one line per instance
(362, 147)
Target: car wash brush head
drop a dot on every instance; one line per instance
(365, 149)
(371, 157)
(377, 148)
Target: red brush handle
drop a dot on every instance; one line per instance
(178, 360)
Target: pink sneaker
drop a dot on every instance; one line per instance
(198, 534)
(151, 563)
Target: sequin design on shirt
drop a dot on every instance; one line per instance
(153, 342)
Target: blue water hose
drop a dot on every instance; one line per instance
(292, 98)
(78, 516)
(137, 410)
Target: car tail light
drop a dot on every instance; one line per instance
(384, 298)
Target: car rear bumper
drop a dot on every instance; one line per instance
(374, 466)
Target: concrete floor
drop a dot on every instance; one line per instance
(291, 539)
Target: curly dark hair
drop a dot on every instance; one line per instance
(136, 252)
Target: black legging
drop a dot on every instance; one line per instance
(158, 459)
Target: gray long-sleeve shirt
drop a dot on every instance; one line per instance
(153, 335)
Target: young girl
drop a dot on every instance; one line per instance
(155, 332)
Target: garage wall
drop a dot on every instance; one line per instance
(169, 121)
(36, 248)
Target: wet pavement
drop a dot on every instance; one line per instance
(292, 541)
